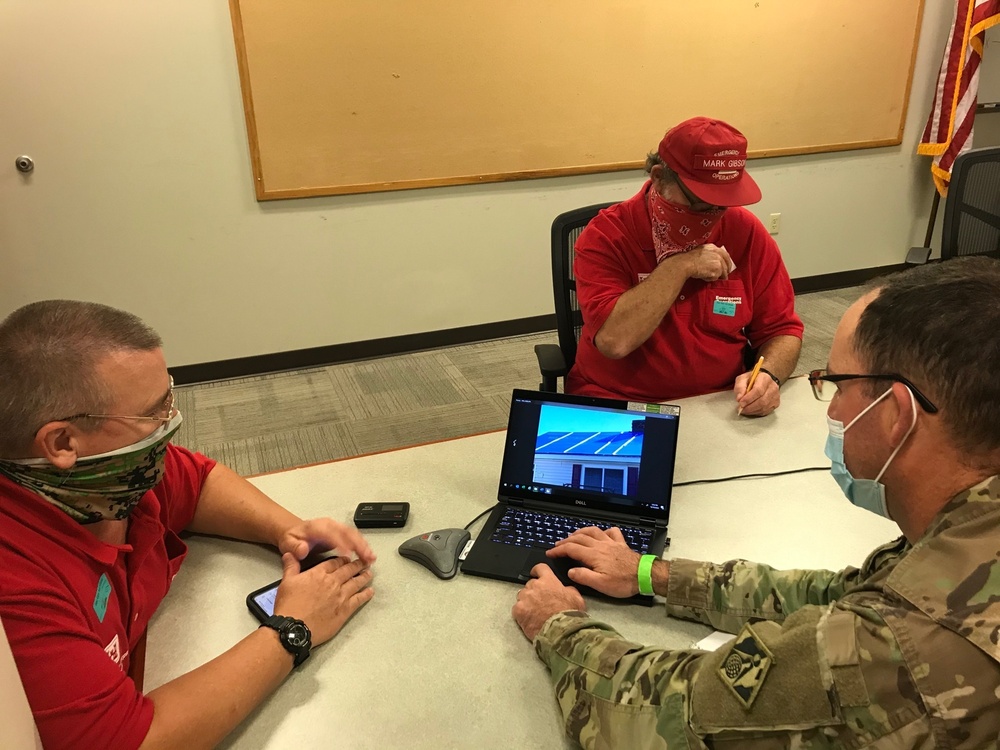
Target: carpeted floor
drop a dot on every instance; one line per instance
(289, 419)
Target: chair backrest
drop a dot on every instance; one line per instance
(566, 229)
(972, 208)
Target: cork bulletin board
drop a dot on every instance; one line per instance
(345, 96)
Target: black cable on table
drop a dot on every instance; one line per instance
(756, 475)
(479, 516)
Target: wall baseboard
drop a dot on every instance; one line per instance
(321, 356)
(339, 353)
(842, 279)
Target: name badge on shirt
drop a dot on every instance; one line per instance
(724, 307)
(101, 597)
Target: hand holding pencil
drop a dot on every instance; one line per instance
(755, 396)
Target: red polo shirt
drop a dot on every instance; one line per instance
(73, 606)
(698, 347)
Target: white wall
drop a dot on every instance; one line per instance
(141, 198)
(987, 128)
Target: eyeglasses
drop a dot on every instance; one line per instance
(818, 377)
(163, 413)
(696, 203)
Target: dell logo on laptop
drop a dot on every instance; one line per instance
(581, 502)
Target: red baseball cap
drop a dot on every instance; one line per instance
(709, 156)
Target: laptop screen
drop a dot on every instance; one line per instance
(589, 452)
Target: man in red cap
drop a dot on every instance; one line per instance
(678, 283)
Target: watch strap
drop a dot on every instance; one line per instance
(772, 376)
(282, 625)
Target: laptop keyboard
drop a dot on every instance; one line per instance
(528, 528)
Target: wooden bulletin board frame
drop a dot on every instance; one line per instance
(346, 96)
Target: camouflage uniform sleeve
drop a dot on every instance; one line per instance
(611, 692)
(827, 676)
(727, 595)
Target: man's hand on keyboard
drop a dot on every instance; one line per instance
(612, 566)
(544, 596)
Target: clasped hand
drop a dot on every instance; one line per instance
(327, 595)
(323, 535)
(708, 262)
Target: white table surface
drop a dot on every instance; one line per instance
(441, 664)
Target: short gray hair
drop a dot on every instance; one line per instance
(939, 326)
(48, 357)
(653, 160)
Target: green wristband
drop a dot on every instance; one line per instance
(646, 574)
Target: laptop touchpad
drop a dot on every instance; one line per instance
(560, 566)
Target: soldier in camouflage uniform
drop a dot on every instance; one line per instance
(903, 653)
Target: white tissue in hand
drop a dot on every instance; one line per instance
(732, 266)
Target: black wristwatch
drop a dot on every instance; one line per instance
(293, 634)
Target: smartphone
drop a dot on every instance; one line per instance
(261, 602)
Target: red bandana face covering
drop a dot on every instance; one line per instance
(676, 228)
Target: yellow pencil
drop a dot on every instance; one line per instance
(753, 378)
(755, 373)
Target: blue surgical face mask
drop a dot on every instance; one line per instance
(864, 493)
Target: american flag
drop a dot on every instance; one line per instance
(949, 127)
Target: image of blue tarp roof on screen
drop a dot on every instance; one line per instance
(585, 432)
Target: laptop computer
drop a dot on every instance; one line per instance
(576, 461)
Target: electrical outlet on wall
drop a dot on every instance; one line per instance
(774, 224)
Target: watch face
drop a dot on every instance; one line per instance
(297, 635)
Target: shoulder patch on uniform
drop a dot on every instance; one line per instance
(746, 666)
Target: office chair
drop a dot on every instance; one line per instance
(971, 209)
(555, 360)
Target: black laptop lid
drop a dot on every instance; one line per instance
(590, 453)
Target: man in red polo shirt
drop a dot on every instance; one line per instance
(676, 282)
(92, 499)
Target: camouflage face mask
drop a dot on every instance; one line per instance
(102, 487)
